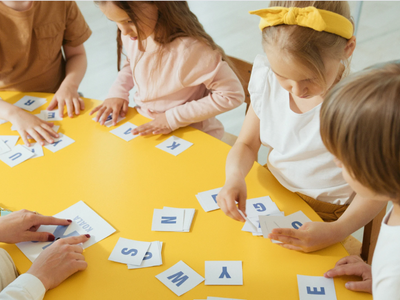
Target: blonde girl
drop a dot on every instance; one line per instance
(307, 46)
(181, 76)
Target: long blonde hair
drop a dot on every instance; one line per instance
(306, 46)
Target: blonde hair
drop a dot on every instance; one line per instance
(360, 125)
(306, 46)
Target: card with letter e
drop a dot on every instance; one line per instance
(129, 251)
(50, 115)
(125, 131)
(17, 155)
(30, 103)
(180, 278)
(60, 143)
(84, 221)
(316, 288)
(224, 273)
(174, 145)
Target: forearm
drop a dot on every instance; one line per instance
(240, 160)
(7, 110)
(75, 69)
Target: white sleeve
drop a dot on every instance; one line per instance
(25, 287)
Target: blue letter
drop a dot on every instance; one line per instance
(173, 146)
(109, 117)
(296, 224)
(127, 251)
(148, 255)
(17, 155)
(168, 220)
(51, 115)
(259, 207)
(56, 143)
(178, 278)
(128, 131)
(214, 197)
(315, 291)
(59, 234)
(224, 273)
(29, 102)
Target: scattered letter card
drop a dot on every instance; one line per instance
(3, 147)
(30, 103)
(125, 131)
(152, 258)
(168, 219)
(180, 278)
(316, 288)
(36, 149)
(60, 143)
(50, 115)
(129, 251)
(84, 221)
(17, 155)
(224, 273)
(261, 206)
(208, 199)
(10, 140)
(174, 145)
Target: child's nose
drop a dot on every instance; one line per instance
(299, 89)
(125, 30)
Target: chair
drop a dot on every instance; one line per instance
(243, 71)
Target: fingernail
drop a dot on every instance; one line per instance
(70, 221)
(87, 235)
(51, 238)
(347, 285)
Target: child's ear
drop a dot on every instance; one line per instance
(350, 46)
(337, 162)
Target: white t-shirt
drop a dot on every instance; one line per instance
(386, 263)
(298, 158)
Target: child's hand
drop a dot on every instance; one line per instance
(158, 126)
(116, 106)
(67, 95)
(312, 236)
(353, 265)
(38, 129)
(233, 190)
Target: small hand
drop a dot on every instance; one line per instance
(233, 190)
(67, 95)
(157, 126)
(310, 237)
(21, 226)
(116, 106)
(353, 265)
(38, 129)
(59, 261)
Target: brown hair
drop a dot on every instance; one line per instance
(174, 20)
(360, 125)
(307, 46)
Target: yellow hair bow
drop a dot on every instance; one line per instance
(311, 17)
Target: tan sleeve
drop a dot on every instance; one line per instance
(76, 31)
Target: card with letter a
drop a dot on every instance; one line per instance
(84, 221)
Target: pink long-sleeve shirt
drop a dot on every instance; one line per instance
(191, 83)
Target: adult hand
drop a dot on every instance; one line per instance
(310, 237)
(157, 126)
(21, 226)
(233, 191)
(59, 261)
(116, 106)
(353, 265)
(67, 95)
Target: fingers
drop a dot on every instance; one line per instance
(70, 108)
(143, 129)
(53, 104)
(286, 240)
(24, 137)
(34, 134)
(359, 286)
(61, 109)
(100, 113)
(349, 259)
(75, 239)
(124, 109)
(82, 103)
(229, 207)
(95, 110)
(32, 236)
(77, 105)
(47, 220)
(48, 128)
(291, 247)
(105, 115)
(290, 232)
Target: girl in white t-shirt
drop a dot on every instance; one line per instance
(360, 126)
(307, 47)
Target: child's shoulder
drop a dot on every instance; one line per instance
(261, 75)
(192, 46)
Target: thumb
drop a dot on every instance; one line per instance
(32, 236)
(359, 286)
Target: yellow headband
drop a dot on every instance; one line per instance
(317, 19)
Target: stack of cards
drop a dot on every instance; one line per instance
(255, 207)
(172, 219)
(208, 199)
(295, 220)
(137, 254)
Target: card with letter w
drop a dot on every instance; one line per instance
(84, 221)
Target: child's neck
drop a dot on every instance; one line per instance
(18, 5)
(301, 106)
(394, 219)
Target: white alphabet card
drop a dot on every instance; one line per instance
(316, 288)
(152, 258)
(168, 219)
(224, 273)
(60, 143)
(129, 251)
(208, 199)
(50, 115)
(174, 145)
(180, 278)
(30, 103)
(125, 131)
(84, 221)
(17, 155)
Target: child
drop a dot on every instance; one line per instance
(360, 126)
(181, 76)
(31, 59)
(307, 46)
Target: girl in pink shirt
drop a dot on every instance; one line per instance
(181, 76)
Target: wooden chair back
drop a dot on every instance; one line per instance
(243, 71)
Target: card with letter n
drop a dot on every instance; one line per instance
(174, 145)
(316, 288)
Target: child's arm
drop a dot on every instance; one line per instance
(318, 235)
(238, 163)
(67, 94)
(27, 124)
(118, 98)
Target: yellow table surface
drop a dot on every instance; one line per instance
(124, 181)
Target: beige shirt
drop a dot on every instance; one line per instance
(30, 44)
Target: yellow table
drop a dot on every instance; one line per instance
(124, 181)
